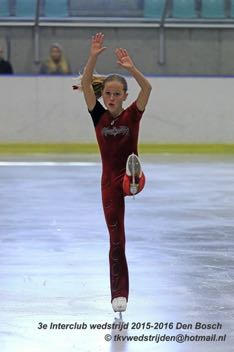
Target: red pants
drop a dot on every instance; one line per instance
(113, 194)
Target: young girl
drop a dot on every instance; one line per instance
(56, 64)
(117, 135)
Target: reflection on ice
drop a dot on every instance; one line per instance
(118, 335)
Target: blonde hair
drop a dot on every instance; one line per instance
(62, 66)
(98, 83)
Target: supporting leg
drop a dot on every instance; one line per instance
(113, 205)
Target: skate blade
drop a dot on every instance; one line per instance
(134, 166)
(133, 188)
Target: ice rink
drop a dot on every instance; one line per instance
(54, 257)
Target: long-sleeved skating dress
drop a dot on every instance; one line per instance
(117, 139)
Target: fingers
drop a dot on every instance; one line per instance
(121, 53)
(98, 38)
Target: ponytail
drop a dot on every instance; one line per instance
(97, 84)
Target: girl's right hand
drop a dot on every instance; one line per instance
(97, 44)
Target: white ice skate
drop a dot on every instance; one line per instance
(119, 304)
(133, 169)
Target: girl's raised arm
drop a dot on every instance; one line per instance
(126, 62)
(86, 81)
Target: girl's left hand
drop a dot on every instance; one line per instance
(124, 59)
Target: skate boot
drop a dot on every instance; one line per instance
(119, 304)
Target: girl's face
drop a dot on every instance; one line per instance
(55, 54)
(114, 95)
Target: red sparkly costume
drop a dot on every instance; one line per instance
(117, 139)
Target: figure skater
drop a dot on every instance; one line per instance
(117, 135)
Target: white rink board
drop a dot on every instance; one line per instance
(181, 110)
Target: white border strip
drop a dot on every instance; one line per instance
(83, 24)
(123, 24)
